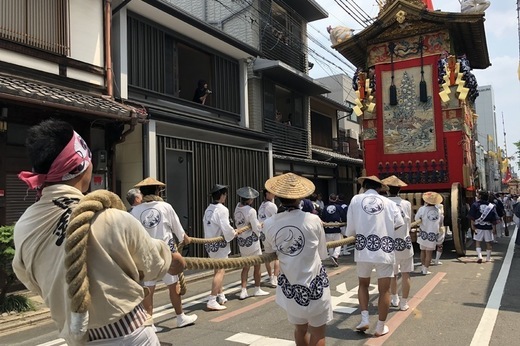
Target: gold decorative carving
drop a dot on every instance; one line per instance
(388, 3)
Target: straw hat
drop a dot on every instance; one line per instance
(394, 181)
(217, 187)
(290, 186)
(373, 178)
(149, 182)
(247, 192)
(431, 197)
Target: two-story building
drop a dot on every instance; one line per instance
(55, 62)
(255, 122)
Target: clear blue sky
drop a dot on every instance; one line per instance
(503, 47)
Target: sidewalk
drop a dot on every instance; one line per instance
(13, 321)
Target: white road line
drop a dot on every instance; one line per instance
(54, 342)
(258, 340)
(484, 330)
(346, 298)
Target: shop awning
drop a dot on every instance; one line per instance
(289, 76)
(337, 157)
(32, 92)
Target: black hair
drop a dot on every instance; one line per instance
(394, 190)
(483, 196)
(264, 193)
(370, 184)
(287, 202)
(217, 194)
(201, 83)
(314, 197)
(244, 200)
(45, 142)
(148, 190)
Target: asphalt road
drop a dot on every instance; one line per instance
(460, 303)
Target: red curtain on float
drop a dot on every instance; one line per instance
(428, 4)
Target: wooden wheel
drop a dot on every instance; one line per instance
(458, 218)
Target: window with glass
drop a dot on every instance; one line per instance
(161, 61)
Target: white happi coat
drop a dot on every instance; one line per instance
(432, 218)
(299, 241)
(216, 224)
(160, 221)
(248, 241)
(402, 242)
(265, 211)
(373, 218)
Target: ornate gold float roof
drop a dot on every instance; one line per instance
(399, 19)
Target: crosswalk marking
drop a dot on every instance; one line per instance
(338, 306)
(346, 297)
(258, 340)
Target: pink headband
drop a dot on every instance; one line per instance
(73, 160)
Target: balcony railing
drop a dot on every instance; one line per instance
(287, 140)
(341, 145)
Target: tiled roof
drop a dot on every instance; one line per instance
(309, 161)
(337, 156)
(35, 92)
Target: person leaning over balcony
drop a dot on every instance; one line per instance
(216, 224)
(202, 92)
(161, 221)
(299, 241)
(120, 251)
(248, 241)
(265, 211)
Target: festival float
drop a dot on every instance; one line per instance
(415, 92)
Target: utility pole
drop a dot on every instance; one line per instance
(518, 18)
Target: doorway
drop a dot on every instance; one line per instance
(178, 186)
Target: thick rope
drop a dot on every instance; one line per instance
(77, 234)
(77, 237)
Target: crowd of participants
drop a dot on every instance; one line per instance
(129, 251)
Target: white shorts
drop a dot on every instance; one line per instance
(383, 270)
(313, 321)
(483, 235)
(403, 265)
(426, 248)
(168, 280)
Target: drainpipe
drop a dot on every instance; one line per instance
(108, 49)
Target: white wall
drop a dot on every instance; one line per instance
(86, 31)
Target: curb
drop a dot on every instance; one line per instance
(11, 323)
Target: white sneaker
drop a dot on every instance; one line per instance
(222, 299)
(404, 307)
(157, 329)
(363, 325)
(381, 329)
(394, 302)
(214, 306)
(274, 281)
(243, 294)
(259, 292)
(185, 320)
(426, 272)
